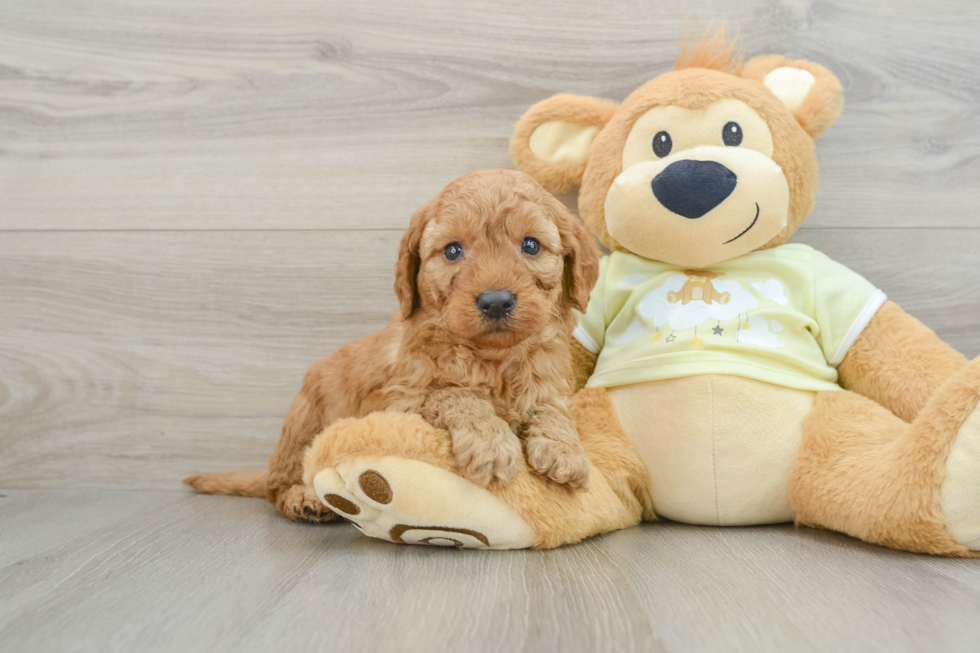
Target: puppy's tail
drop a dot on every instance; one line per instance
(239, 484)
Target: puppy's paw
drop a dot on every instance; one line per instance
(301, 504)
(486, 451)
(562, 461)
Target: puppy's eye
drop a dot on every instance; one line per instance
(530, 246)
(731, 133)
(662, 144)
(453, 251)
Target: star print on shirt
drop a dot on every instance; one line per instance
(717, 330)
(670, 338)
(697, 343)
(655, 337)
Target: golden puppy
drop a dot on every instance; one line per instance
(488, 275)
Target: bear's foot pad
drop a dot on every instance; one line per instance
(961, 486)
(411, 502)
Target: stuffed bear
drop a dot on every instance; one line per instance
(729, 378)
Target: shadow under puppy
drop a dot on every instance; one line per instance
(488, 277)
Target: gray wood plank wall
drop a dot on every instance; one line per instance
(197, 200)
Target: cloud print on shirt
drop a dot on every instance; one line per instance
(758, 333)
(655, 306)
(633, 331)
(772, 290)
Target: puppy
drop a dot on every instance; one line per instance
(487, 278)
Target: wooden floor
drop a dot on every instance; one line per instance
(154, 570)
(197, 200)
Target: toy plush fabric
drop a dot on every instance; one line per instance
(729, 378)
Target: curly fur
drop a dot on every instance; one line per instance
(439, 357)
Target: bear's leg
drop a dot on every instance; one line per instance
(618, 495)
(395, 478)
(863, 471)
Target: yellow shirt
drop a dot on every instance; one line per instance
(785, 316)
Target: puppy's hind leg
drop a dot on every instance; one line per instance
(304, 421)
(294, 501)
(300, 504)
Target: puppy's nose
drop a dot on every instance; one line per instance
(692, 188)
(496, 304)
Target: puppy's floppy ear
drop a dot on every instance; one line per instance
(810, 91)
(580, 254)
(551, 141)
(409, 260)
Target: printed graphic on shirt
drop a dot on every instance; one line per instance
(757, 333)
(633, 331)
(699, 286)
(686, 301)
(773, 290)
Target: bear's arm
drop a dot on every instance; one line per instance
(583, 364)
(898, 362)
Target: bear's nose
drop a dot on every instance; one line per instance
(691, 188)
(496, 304)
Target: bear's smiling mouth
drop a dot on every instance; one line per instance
(754, 220)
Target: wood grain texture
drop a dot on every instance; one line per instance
(197, 200)
(125, 353)
(167, 571)
(134, 359)
(307, 114)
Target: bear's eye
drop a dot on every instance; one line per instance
(731, 133)
(530, 246)
(453, 251)
(662, 144)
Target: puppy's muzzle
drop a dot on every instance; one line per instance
(496, 304)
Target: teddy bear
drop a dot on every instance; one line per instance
(805, 397)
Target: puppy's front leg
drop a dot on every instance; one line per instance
(553, 446)
(484, 445)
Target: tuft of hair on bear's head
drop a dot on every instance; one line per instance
(712, 52)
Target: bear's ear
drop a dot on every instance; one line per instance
(551, 141)
(809, 91)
